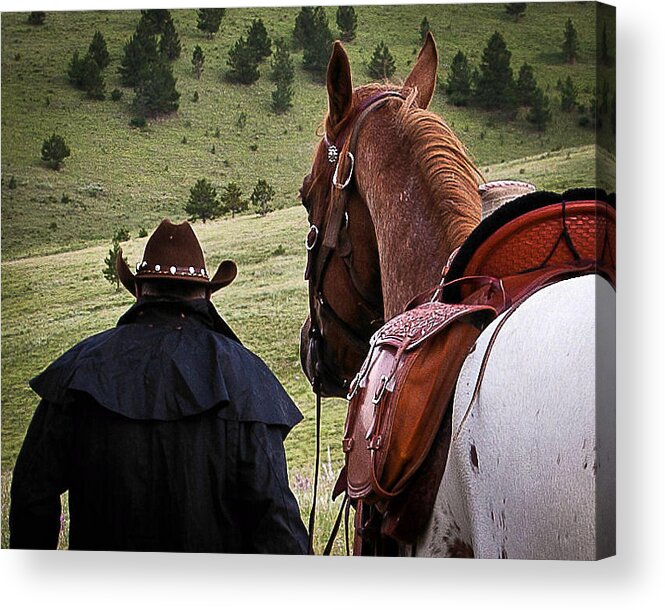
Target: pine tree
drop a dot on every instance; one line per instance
(568, 94)
(496, 87)
(232, 201)
(155, 20)
(98, 50)
(140, 52)
(282, 65)
(156, 92)
(258, 40)
(209, 20)
(317, 46)
(110, 272)
(243, 63)
(424, 28)
(526, 85)
(458, 86)
(605, 57)
(203, 203)
(570, 44)
(281, 97)
(92, 80)
(198, 59)
(36, 18)
(347, 22)
(75, 70)
(261, 197)
(54, 151)
(304, 26)
(516, 10)
(540, 114)
(382, 64)
(169, 43)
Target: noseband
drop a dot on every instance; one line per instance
(322, 242)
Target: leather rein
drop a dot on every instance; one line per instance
(320, 248)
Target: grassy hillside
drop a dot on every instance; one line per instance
(121, 176)
(56, 226)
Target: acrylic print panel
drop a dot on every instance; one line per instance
(418, 123)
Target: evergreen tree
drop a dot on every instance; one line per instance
(110, 272)
(54, 151)
(282, 65)
(203, 203)
(156, 92)
(316, 47)
(198, 59)
(75, 70)
(382, 64)
(92, 80)
(526, 85)
(304, 26)
(540, 114)
(98, 51)
(282, 96)
(155, 20)
(568, 94)
(232, 201)
(36, 18)
(516, 10)
(243, 63)
(424, 28)
(347, 22)
(496, 87)
(261, 197)
(258, 40)
(458, 86)
(140, 52)
(209, 20)
(169, 43)
(570, 43)
(605, 57)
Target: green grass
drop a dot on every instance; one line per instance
(53, 291)
(120, 176)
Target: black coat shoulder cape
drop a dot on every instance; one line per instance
(167, 360)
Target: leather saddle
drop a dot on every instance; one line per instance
(397, 431)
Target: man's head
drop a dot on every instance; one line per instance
(173, 264)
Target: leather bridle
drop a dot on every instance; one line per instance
(321, 244)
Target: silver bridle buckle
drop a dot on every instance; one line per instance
(314, 234)
(343, 185)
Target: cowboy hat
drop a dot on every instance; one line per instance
(173, 252)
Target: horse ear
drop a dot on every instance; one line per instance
(423, 75)
(340, 87)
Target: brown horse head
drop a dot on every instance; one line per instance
(391, 193)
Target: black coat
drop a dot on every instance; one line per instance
(168, 434)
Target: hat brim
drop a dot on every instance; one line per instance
(225, 274)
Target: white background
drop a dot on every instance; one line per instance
(633, 579)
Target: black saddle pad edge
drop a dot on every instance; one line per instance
(513, 209)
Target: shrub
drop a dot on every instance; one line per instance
(36, 18)
(109, 271)
(138, 121)
(12, 184)
(198, 59)
(54, 151)
(116, 95)
(142, 232)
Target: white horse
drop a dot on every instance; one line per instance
(531, 467)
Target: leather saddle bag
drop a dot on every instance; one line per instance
(401, 393)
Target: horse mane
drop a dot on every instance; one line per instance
(445, 165)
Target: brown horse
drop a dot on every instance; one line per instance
(391, 194)
(405, 157)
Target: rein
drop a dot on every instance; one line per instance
(319, 254)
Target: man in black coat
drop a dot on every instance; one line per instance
(166, 431)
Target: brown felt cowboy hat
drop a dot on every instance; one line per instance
(173, 252)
